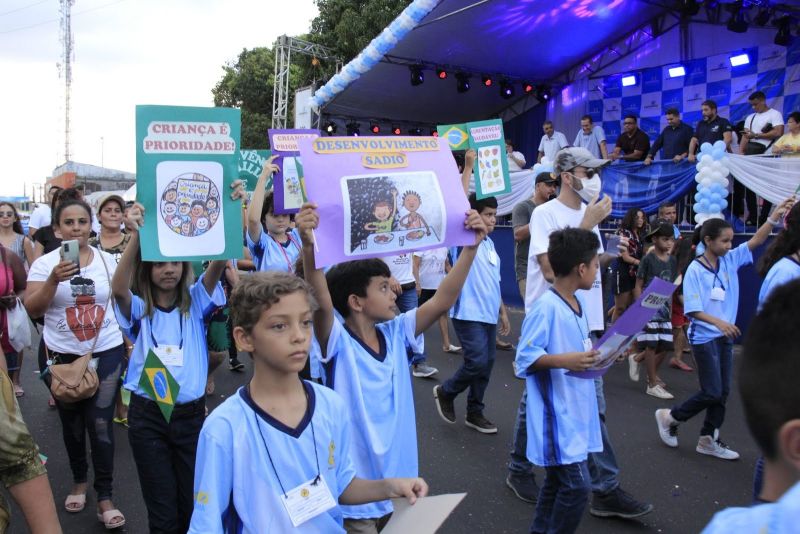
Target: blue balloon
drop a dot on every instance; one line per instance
(704, 204)
(723, 204)
(696, 208)
(720, 145)
(718, 153)
(706, 148)
(701, 194)
(715, 197)
(714, 208)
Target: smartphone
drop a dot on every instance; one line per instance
(70, 251)
(612, 245)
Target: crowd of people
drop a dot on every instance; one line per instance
(328, 452)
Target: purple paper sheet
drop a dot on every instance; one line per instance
(379, 196)
(628, 326)
(283, 144)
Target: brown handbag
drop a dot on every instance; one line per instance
(76, 381)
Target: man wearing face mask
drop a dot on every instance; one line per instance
(579, 205)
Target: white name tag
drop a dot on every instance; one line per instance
(493, 257)
(587, 344)
(717, 293)
(171, 355)
(308, 500)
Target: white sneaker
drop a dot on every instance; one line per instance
(633, 368)
(667, 427)
(422, 370)
(708, 445)
(659, 392)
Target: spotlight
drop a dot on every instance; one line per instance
(543, 93)
(737, 23)
(762, 19)
(486, 80)
(415, 131)
(375, 128)
(688, 8)
(330, 128)
(462, 82)
(675, 72)
(739, 60)
(417, 76)
(628, 81)
(784, 35)
(506, 89)
(434, 132)
(395, 130)
(527, 87)
(354, 129)
(441, 73)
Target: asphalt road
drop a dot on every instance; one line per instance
(685, 487)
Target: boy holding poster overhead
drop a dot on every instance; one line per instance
(366, 359)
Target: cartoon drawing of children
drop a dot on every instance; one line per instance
(198, 210)
(411, 202)
(384, 213)
(170, 195)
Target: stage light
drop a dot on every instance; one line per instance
(628, 81)
(675, 72)
(486, 80)
(762, 19)
(462, 82)
(543, 93)
(740, 59)
(737, 23)
(527, 87)
(395, 130)
(434, 132)
(330, 128)
(441, 73)
(375, 128)
(417, 76)
(415, 131)
(354, 129)
(784, 35)
(688, 8)
(506, 89)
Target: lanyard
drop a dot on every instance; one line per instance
(705, 263)
(271, 462)
(574, 315)
(283, 249)
(153, 337)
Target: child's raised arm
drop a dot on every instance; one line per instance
(763, 232)
(306, 220)
(121, 282)
(469, 164)
(254, 227)
(216, 268)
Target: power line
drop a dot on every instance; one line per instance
(4, 32)
(22, 8)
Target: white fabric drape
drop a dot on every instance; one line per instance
(774, 179)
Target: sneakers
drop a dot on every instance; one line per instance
(423, 370)
(618, 503)
(658, 391)
(234, 364)
(714, 447)
(633, 368)
(480, 423)
(444, 405)
(667, 428)
(523, 486)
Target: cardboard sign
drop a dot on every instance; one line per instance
(491, 165)
(289, 187)
(251, 163)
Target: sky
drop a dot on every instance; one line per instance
(127, 52)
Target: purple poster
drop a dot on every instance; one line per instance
(288, 182)
(379, 196)
(628, 326)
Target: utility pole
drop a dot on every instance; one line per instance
(65, 67)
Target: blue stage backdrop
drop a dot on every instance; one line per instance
(773, 69)
(636, 185)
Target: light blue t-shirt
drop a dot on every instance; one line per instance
(167, 327)
(269, 255)
(784, 271)
(479, 299)
(698, 284)
(376, 388)
(591, 141)
(562, 419)
(770, 518)
(236, 488)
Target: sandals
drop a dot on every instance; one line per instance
(452, 349)
(79, 502)
(18, 391)
(677, 364)
(107, 517)
(121, 421)
(503, 345)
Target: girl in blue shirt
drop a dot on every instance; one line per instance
(159, 306)
(780, 264)
(274, 245)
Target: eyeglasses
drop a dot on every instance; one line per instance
(6, 213)
(628, 123)
(589, 173)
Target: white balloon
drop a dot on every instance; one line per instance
(700, 218)
(723, 182)
(705, 183)
(707, 158)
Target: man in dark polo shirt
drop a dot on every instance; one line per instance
(674, 139)
(633, 144)
(711, 129)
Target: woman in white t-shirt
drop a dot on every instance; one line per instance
(78, 319)
(430, 268)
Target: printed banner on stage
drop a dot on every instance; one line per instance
(251, 163)
(622, 333)
(379, 196)
(455, 134)
(289, 187)
(636, 185)
(186, 160)
(491, 165)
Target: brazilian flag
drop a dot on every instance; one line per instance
(158, 383)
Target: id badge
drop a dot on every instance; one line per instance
(493, 257)
(587, 344)
(717, 293)
(308, 500)
(171, 355)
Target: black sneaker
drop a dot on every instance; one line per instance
(523, 486)
(480, 423)
(618, 503)
(234, 364)
(444, 405)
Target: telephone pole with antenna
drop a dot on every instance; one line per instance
(65, 67)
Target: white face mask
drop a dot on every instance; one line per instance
(591, 187)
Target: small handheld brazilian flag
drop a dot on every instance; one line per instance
(158, 383)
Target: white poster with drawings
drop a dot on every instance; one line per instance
(190, 219)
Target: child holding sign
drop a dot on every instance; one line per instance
(277, 456)
(159, 306)
(366, 359)
(272, 243)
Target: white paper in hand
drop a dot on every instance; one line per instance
(423, 517)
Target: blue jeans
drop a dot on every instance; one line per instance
(562, 499)
(714, 370)
(478, 344)
(758, 480)
(603, 465)
(406, 301)
(519, 463)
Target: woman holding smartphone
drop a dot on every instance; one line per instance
(71, 288)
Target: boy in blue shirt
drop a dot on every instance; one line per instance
(474, 318)
(276, 456)
(366, 358)
(562, 419)
(768, 376)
